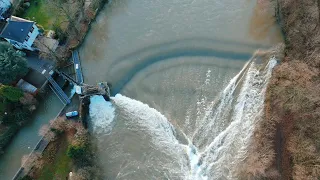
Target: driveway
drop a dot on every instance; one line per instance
(40, 65)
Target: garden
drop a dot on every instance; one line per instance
(45, 16)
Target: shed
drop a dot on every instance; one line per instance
(26, 87)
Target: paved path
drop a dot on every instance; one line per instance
(77, 66)
(40, 65)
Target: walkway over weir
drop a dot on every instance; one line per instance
(77, 66)
(58, 91)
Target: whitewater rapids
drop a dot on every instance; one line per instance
(140, 142)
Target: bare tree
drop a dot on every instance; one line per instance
(46, 132)
(71, 10)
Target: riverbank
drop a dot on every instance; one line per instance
(15, 113)
(289, 137)
(69, 153)
(28, 160)
(294, 91)
(72, 32)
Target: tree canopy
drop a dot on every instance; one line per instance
(10, 93)
(12, 63)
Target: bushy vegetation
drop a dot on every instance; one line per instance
(294, 91)
(12, 64)
(76, 152)
(10, 93)
(286, 144)
(69, 150)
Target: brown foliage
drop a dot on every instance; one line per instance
(28, 99)
(32, 160)
(293, 101)
(301, 24)
(46, 132)
(61, 124)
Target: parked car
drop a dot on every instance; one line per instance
(72, 114)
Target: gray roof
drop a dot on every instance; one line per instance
(16, 30)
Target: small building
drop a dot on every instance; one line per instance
(27, 87)
(21, 33)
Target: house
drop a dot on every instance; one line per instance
(21, 33)
(4, 6)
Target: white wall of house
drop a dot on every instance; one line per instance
(27, 44)
(4, 5)
(33, 35)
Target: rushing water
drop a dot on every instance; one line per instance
(187, 95)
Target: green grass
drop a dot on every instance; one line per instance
(42, 15)
(59, 164)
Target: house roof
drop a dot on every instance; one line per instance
(16, 29)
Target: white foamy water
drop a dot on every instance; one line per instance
(147, 119)
(222, 157)
(220, 140)
(102, 114)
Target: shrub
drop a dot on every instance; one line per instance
(59, 34)
(10, 93)
(76, 152)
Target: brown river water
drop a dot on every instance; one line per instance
(187, 95)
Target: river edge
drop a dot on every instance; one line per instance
(75, 45)
(67, 150)
(285, 143)
(31, 160)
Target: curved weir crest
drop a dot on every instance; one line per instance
(216, 147)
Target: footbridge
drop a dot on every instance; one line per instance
(84, 90)
(58, 91)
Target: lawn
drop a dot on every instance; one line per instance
(58, 164)
(42, 15)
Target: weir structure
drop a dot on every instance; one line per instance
(82, 89)
(85, 91)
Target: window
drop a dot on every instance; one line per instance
(31, 30)
(27, 38)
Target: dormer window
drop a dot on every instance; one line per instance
(27, 38)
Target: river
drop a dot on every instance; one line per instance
(186, 95)
(28, 136)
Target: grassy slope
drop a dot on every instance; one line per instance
(42, 14)
(58, 163)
